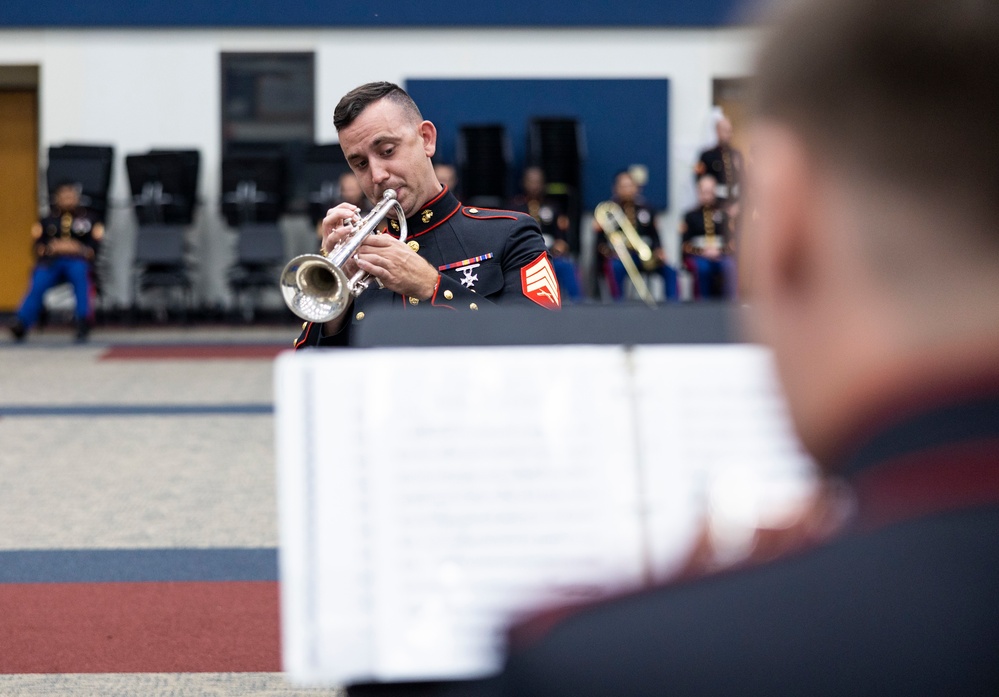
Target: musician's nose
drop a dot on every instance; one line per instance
(379, 173)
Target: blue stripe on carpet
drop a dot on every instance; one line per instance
(138, 565)
(13, 410)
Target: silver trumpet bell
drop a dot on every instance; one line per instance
(316, 288)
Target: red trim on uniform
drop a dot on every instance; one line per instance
(305, 337)
(948, 478)
(430, 204)
(433, 298)
(464, 211)
(435, 225)
(436, 198)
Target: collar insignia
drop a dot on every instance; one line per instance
(426, 215)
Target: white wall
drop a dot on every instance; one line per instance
(142, 89)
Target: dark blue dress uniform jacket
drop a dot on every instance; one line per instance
(904, 602)
(484, 256)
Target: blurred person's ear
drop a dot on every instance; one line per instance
(777, 252)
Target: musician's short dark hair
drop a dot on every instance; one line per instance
(907, 90)
(360, 98)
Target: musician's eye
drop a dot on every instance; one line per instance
(387, 152)
(360, 164)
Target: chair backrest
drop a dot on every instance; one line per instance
(163, 185)
(254, 186)
(260, 243)
(88, 165)
(160, 244)
(324, 163)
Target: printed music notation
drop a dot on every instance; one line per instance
(428, 497)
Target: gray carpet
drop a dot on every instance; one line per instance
(76, 473)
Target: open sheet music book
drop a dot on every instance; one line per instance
(429, 497)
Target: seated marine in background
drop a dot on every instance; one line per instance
(625, 193)
(554, 223)
(66, 242)
(708, 244)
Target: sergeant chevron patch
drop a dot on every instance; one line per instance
(539, 283)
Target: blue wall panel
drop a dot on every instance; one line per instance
(626, 122)
(375, 13)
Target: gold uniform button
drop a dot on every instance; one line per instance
(473, 306)
(414, 245)
(359, 316)
(448, 295)
(414, 301)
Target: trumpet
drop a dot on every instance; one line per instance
(624, 238)
(315, 286)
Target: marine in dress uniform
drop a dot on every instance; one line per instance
(66, 243)
(554, 224)
(706, 239)
(485, 257)
(643, 219)
(724, 163)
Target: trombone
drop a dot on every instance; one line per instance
(624, 238)
(316, 288)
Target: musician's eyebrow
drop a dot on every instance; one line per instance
(377, 142)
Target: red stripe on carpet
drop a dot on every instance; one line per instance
(139, 627)
(193, 352)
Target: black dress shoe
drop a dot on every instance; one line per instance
(82, 331)
(18, 330)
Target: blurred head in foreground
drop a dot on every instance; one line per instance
(873, 251)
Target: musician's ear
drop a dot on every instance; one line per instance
(774, 249)
(428, 133)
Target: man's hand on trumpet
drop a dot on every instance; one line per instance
(338, 224)
(397, 267)
(391, 262)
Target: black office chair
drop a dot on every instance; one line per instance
(160, 264)
(322, 168)
(254, 186)
(260, 257)
(88, 165)
(164, 196)
(164, 186)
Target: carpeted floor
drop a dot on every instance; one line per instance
(137, 514)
